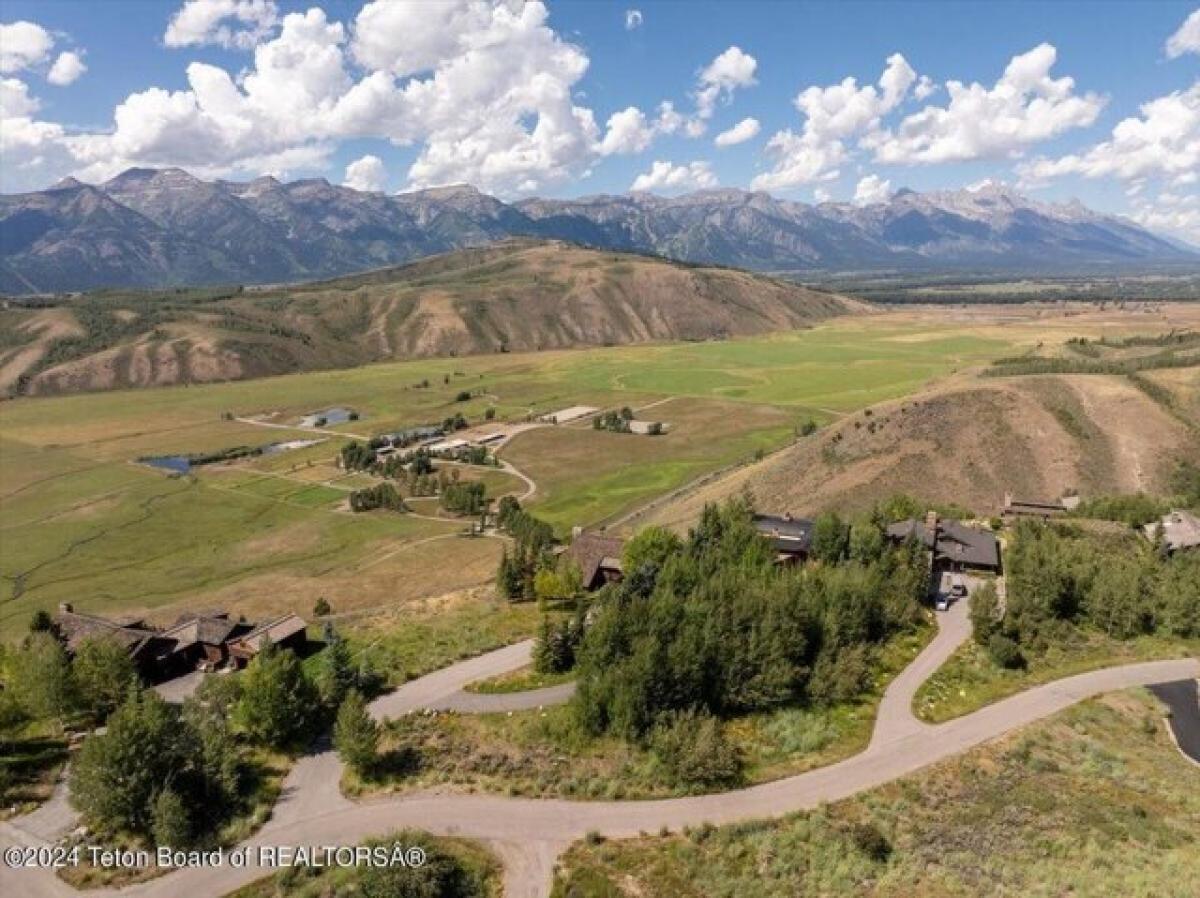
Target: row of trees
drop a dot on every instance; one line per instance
(711, 625)
(1059, 576)
(382, 495)
(533, 539)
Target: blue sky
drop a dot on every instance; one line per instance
(522, 100)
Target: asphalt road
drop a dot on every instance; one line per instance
(1182, 697)
(529, 834)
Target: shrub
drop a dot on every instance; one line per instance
(1005, 652)
(693, 749)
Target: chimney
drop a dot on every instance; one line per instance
(576, 532)
(65, 608)
(931, 523)
(787, 515)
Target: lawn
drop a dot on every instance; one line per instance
(1095, 801)
(970, 679)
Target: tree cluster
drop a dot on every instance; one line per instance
(382, 495)
(46, 683)
(718, 628)
(1059, 576)
(530, 553)
(614, 421)
(469, 498)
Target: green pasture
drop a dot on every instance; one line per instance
(82, 522)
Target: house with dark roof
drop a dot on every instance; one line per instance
(790, 537)
(197, 640)
(598, 558)
(954, 545)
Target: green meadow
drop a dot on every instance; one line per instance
(83, 523)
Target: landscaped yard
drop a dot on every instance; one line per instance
(1095, 801)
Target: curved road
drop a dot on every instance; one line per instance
(529, 834)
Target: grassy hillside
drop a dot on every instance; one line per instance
(973, 439)
(1094, 801)
(513, 296)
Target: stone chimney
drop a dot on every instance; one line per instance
(65, 607)
(576, 532)
(931, 523)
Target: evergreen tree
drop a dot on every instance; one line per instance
(356, 734)
(336, 676)
(543, 647)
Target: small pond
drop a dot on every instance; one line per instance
(332, 416)
(176, 464)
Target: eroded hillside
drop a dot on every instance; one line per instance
(974, 439)
(514, 296)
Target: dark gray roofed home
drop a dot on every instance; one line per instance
(791, 537)
(955, 546)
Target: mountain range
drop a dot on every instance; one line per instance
(512, 295)
(165, 227)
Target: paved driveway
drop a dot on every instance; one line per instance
(529, 834)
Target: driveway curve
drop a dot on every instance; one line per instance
(529, 834)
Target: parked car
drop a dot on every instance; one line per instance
(959, 587)
(942, 603)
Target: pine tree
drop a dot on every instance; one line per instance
(356, 734)
(543, 648)
(337, 676)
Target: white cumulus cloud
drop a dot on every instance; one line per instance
(1186, 39)
(367, 173)
(729, 71)
(1164, 140)
(832, 115)
(239, 24)
(668, 176)
(1025, 106)
(23, 45)
(627, 131)
(872, 189)
(744, 130)
(633, 19)
(67, 69)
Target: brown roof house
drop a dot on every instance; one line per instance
(598, 558)
(204, 640)
(954, 545)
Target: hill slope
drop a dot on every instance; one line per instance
(972, 441)
(150, 227)
(512, 296)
